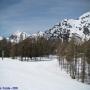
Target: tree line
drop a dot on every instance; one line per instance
(75, 59)
(28, 48)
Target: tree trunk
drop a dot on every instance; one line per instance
(83, 69)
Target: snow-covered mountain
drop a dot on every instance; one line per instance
(18, 36)
(67, 28)
(38, 34)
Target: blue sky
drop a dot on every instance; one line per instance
(37, 15)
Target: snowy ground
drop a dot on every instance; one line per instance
(43, 75)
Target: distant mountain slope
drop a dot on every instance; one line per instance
(38, 34)
(78, 28)
(18, 36)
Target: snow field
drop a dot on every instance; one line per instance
(43, 75)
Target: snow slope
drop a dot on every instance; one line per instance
(44, 75)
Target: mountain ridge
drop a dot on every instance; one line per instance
(75, 27)
(67, 28)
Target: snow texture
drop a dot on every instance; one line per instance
(40, 75)
(75, 27)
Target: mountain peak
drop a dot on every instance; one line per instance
(17, 33)
(75, 27)
(18, 36)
